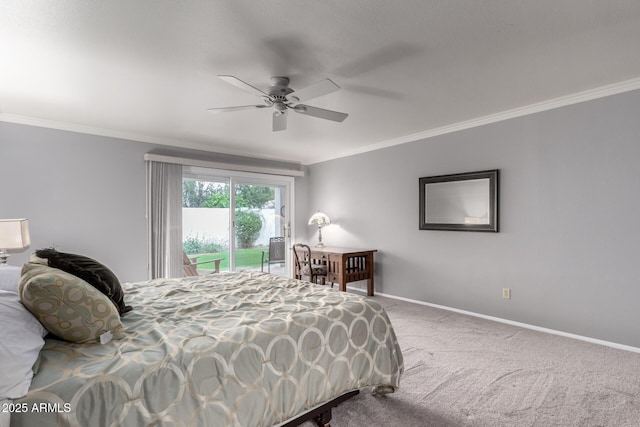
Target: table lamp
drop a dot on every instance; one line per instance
(14, 234)
(319, 219)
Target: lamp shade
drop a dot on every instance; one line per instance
(14, 233)
(319, 218)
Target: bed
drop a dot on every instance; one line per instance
(230, 349)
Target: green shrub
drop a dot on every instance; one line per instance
(248, 226)
(191, 245)
(195, 245)
(211, 247)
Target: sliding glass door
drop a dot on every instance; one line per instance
(260, 215)
(234, 216)
(205, 220)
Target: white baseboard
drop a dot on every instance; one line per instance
(508, 322)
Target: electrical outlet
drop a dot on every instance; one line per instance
(506, 293)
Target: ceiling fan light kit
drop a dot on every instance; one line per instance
(282, 98)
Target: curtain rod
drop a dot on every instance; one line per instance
(221, 165)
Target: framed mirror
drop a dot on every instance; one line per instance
(460, 202)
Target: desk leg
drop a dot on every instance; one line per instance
(342, 274)
(372, 273)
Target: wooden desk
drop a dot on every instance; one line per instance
(345, 265)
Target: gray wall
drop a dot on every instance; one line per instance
(569, 234)
(85, 194)
(81, 193)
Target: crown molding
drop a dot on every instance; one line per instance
(563, 101)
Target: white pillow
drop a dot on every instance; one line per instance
(21, 338)
(9, 278)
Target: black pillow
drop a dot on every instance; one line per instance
(89, 270)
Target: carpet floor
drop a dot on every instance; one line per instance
(467, 371)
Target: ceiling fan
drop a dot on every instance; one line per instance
(282, 98)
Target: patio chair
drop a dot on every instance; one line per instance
(274, 255)
(305, 265)
(190, 265)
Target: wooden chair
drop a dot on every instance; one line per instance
(305, 265)
(190, 265)
(275, 253)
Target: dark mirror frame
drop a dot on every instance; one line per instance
(492, 226)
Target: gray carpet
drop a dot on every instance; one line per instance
(466, 371)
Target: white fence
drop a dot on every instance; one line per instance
(213, 224)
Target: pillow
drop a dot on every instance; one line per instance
(89, 270)
(20, 344)
(9, 278)
(66, 305)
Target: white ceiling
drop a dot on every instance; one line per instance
(146, 69)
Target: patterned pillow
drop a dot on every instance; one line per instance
(66, 305)
(89, 270)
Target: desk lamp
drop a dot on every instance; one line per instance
(320, 219)
(14, 234)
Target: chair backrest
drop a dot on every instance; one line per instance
(276, 249)
(302, 255)
(188, 268)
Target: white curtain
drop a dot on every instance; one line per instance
(164, 194)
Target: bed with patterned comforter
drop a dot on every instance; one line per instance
(234, 349)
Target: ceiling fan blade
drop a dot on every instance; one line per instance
(242, 85)
(279, 121)
(320, 112)
(323, 87)
(238, 108)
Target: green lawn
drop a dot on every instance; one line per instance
(244, 258)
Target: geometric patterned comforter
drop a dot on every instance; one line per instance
(229, 349)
